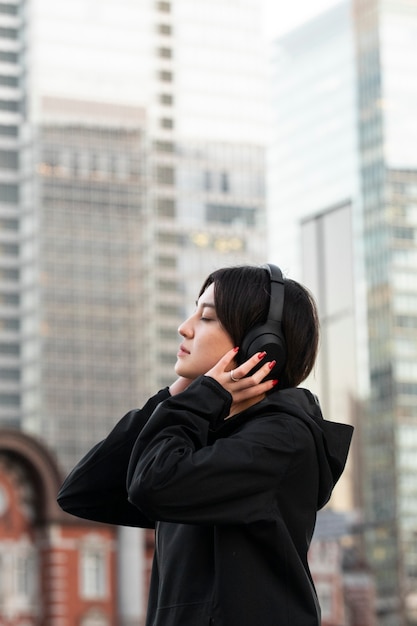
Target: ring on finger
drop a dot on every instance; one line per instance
(235, 380)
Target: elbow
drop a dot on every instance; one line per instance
(141, 496)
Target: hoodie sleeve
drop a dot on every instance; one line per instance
(176, 474)
(96, 487)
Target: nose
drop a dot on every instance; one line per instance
(186, 329)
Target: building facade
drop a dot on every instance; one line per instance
(350, 123)
(10, 118)
(55, 570)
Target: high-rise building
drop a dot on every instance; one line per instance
(11, 100)
(343, 206)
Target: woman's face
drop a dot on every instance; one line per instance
(205, 339)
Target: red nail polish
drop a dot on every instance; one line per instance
(235, 349)
(272, 364)
(275, 382)
(261, 355)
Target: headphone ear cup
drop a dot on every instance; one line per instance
(267, 338)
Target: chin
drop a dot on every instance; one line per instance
(180, 370)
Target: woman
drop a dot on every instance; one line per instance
(230, 464)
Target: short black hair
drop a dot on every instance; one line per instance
(242, 295)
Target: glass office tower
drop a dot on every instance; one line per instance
(344, 131)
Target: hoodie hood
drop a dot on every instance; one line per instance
(332, 439)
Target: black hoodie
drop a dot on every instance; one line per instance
(233, 501)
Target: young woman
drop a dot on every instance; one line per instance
(230, 464)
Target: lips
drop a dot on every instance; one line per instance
(182, 351)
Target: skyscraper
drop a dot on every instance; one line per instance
(343, 177)
(10, 117)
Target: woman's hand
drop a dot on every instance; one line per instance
(245, 390)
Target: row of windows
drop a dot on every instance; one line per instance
(8, 9)
(408, 389)
(406, 321)
(9, 105)
(8, 298)
(9, 374)
(9, 57)
(8, 33)
(9, 324)
(8, 131)
(164, 146)
(9, 249)
(9, 399)
(10, 349)
(60, 163)
(18, 574)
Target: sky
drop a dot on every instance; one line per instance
(281, 16)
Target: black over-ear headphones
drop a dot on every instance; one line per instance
(268, 337)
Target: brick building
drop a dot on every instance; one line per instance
(55, 570)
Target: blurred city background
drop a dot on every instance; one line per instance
(144, 143)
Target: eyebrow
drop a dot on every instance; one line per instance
(203, 305)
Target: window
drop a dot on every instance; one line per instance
(93, 573)
(166, 98)
(165, 175)
(8, 158)
(224, 182)
(18, 580)
(9, 374)
(10, 9)
(164, 146)
(9, 81)
(8, 399)
(167, 122)
(9, 105)
(164, 29)
(164, 7)
(165, 53)
(166, 261)
(165, 207)
(165, 76)
(8, 193)
(9, 33)
(8, 131)
(8, 57)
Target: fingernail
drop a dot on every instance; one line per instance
(261, 355)
(272, 364)
(275, 382)
(235, 349)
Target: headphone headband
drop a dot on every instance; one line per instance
(276, 304)
(268, 337)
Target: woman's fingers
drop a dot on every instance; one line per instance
(236, 380)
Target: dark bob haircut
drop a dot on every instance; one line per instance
(241, 296)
